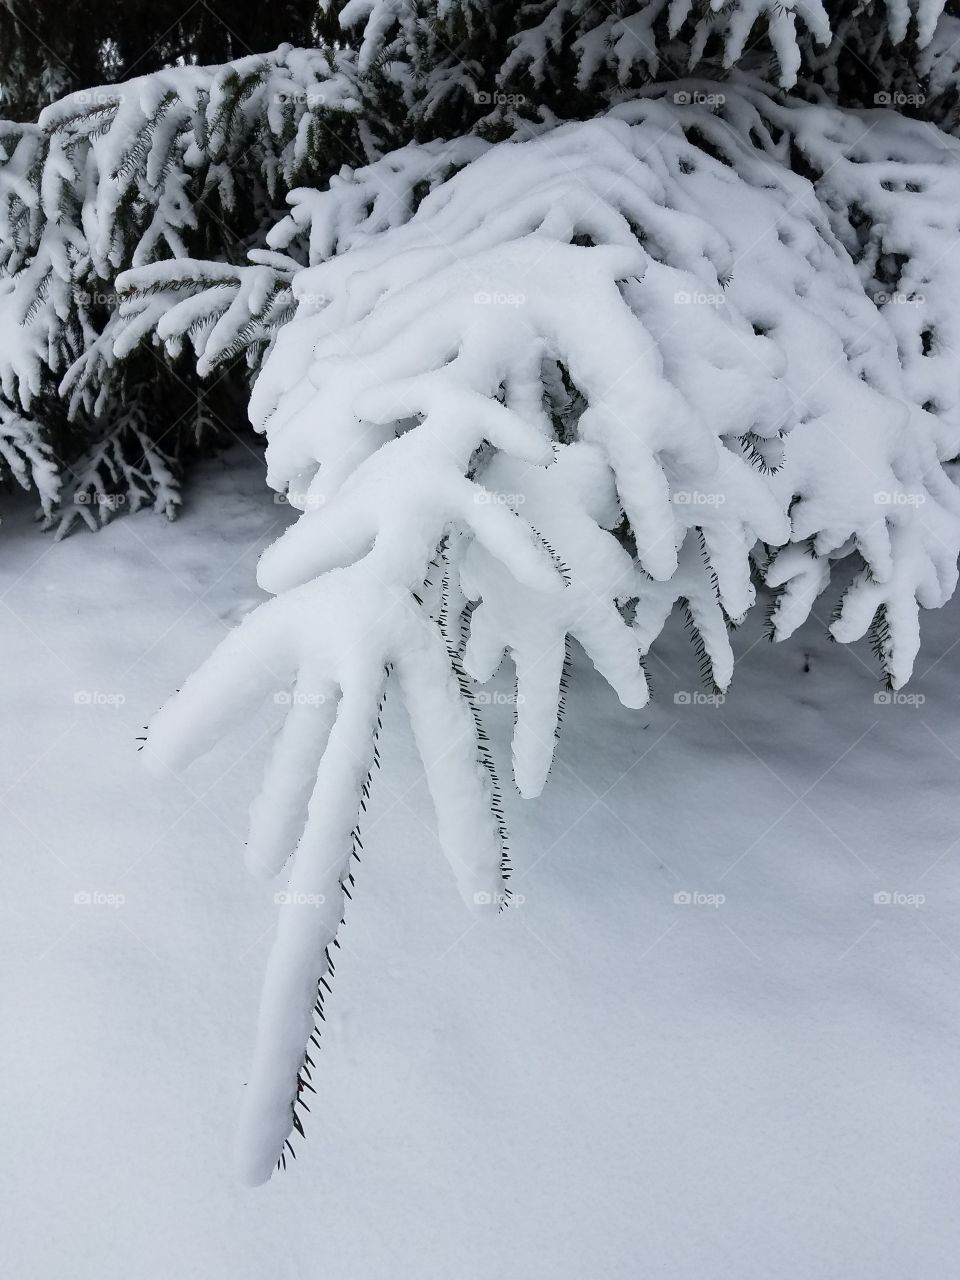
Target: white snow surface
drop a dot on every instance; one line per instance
(605, 1080)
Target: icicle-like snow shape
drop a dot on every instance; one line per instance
(279, 811)
(564, 502)
(334, 641)
(309, 917)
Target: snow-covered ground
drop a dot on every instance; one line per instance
(608, 1081)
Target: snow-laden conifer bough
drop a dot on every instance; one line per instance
(191, 163)
(545, 390)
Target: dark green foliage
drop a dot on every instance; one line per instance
(49, 48)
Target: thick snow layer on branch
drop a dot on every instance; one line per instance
(570, 503)
(25, 458)
(623, 40)
(187, 160)
(608, 368)
(746, 334)
(327, 648)
(110, 178)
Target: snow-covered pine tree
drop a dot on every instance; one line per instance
(570, 54)
(534, 380)
(188, 160)
(47, 52)
(227, 152)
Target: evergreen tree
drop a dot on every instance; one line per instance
(49, 48)
(185, 161)
(555, 317)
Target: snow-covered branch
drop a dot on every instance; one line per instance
(602, 369)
